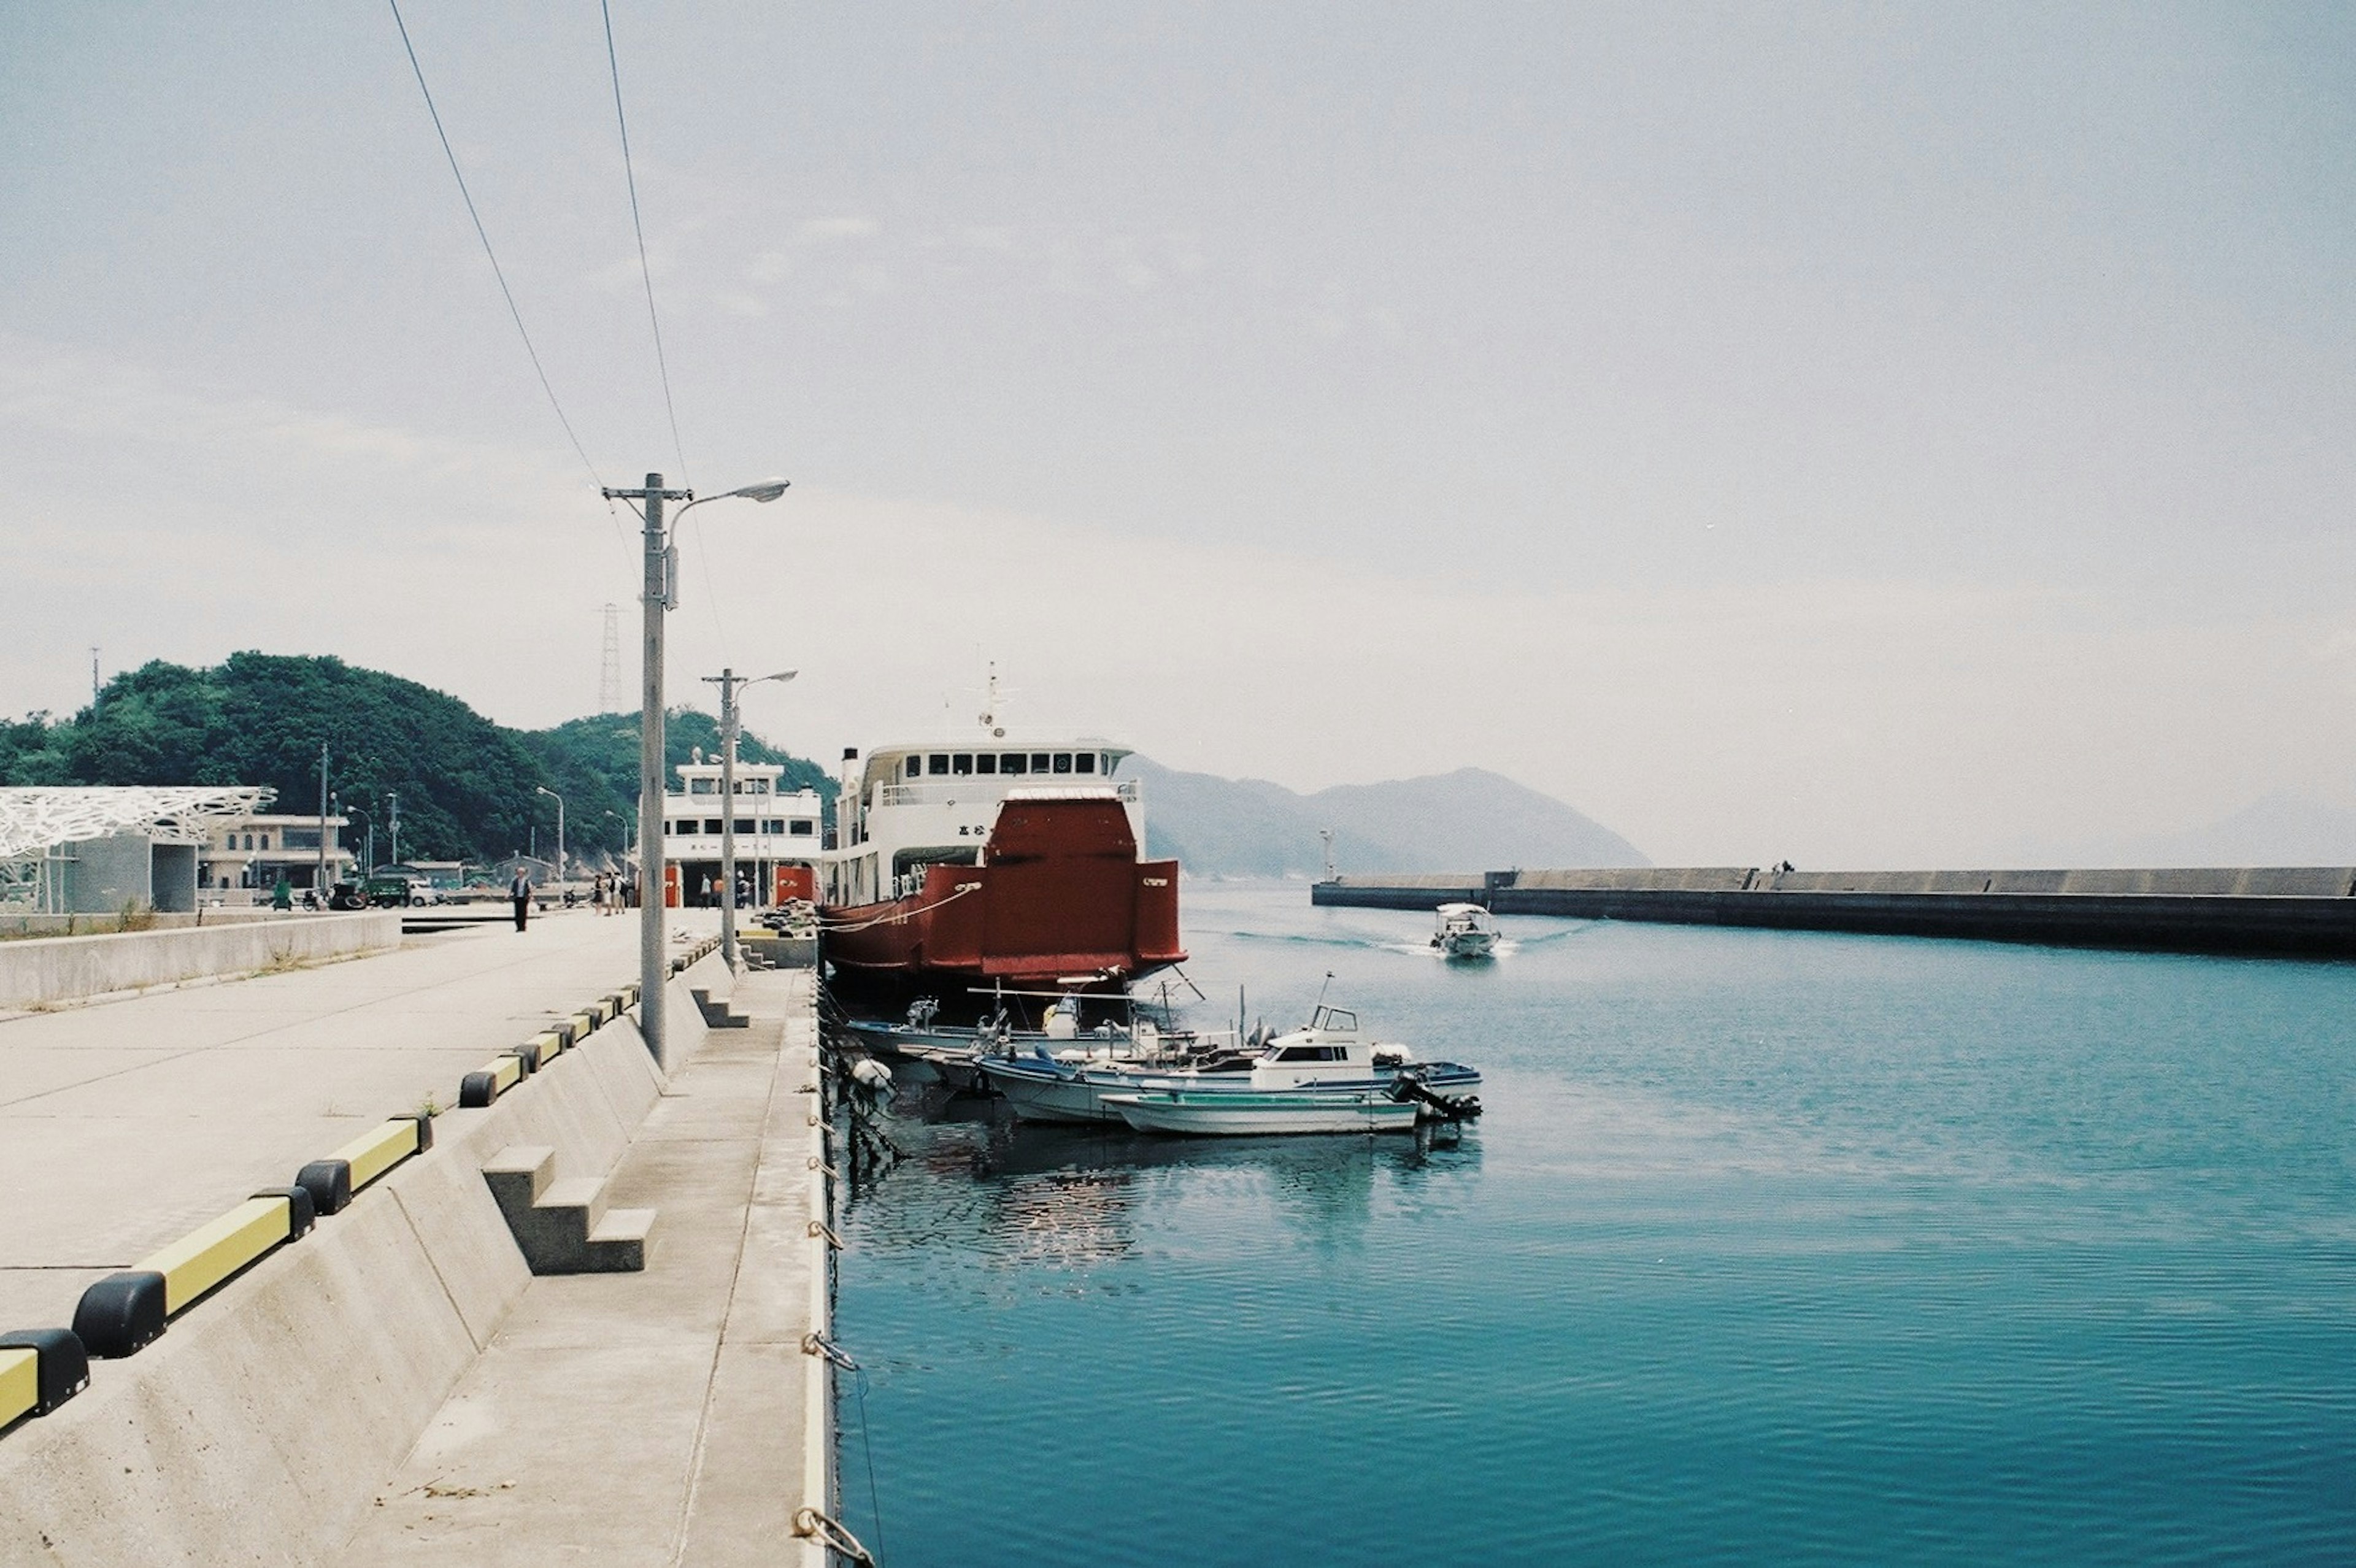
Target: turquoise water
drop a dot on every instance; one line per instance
(1773, 1248)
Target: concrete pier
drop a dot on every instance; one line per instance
(395, 1380)
(2291, 912)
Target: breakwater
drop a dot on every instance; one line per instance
(2306, 912)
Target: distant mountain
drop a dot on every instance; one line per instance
(2279, 829)
(1470, 820)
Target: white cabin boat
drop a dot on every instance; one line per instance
(1329, 1055)
(1464, 931)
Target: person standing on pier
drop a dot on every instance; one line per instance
(519, 891)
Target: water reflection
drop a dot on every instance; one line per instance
(1012, 1193)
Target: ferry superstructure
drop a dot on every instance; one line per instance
(991, 859)
(778, 833)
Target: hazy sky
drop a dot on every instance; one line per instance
(1870, 435)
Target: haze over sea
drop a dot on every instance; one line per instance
(1771, 1248)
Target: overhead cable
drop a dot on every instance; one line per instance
(662, 366)
(497, 270)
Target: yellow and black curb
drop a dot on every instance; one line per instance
(125, 1313)
(40, 1368)
(119, 1316)
(332, 1181)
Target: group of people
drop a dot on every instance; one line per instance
(711, 889)
(609, 893)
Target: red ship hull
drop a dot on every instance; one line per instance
(1060, 895)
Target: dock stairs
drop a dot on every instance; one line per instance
(564, 1226)
(716, 1014)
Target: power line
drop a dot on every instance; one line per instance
(630, 174)
(497, 270)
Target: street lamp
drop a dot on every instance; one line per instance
(660, 592)
(728, 680)
(559, 799)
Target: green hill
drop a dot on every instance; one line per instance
(468, 786)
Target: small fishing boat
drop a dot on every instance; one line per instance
(1465, 931)
(1228, 1114)
(1328, 1055)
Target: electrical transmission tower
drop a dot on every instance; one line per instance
(609, 674)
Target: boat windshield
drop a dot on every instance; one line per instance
(1340, 1020)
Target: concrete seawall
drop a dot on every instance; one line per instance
(38, 971)
(398, 1386)
(2303, 912)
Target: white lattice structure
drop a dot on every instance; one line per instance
(35, 823)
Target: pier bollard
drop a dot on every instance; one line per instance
(122, 1314)
(40, 1368)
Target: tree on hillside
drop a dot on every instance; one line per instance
(468, 787)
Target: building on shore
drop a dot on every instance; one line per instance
(250, 853)
(107, 848)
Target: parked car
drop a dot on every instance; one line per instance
(391, 893)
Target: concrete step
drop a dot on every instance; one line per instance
(562, 1225)
(618, 1243)
(520, 1173)
(716, 1014)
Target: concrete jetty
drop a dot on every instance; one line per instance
(2293, 912)
(356, 1363)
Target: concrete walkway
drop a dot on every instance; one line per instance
(124, 1125)
(657, 1417)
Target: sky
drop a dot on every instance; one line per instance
(1861, 434)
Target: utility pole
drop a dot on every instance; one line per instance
(656, 593)
(393, 798)
(319, 882)
(93, 678)
(728, 680)
(659, 593)
(559, 799)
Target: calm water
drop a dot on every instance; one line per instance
(1771, 1248)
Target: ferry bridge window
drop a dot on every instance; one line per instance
(711, 825)
(1063, 761)
(938, 763)
(802, 827)
(987, 762)
(1039, 761)
(1085, 762)
(703, 786)
(963, 763)
(1012, 762)
(744, 825)
(915, 766)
